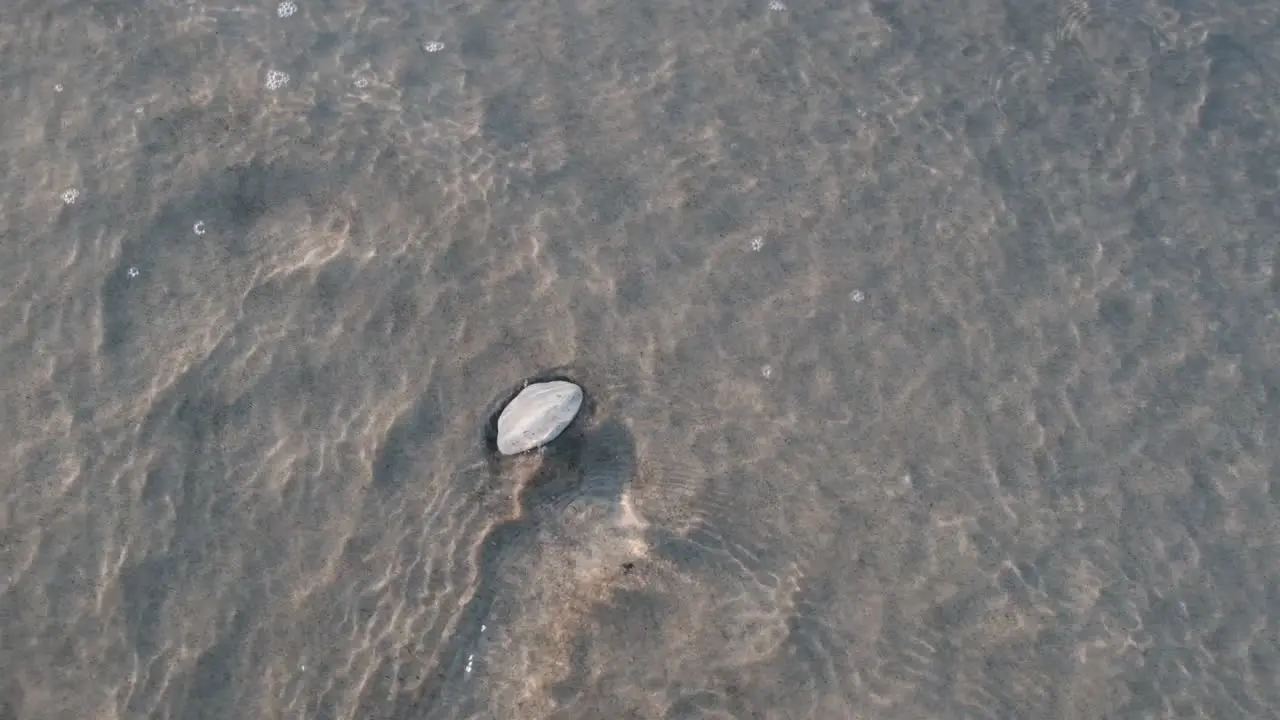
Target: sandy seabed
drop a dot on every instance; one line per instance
(933, 355)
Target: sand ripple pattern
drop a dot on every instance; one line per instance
(1029, 473)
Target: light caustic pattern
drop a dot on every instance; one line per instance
(276, 79)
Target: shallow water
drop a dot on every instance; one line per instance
(933, 352)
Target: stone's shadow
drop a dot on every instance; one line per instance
(594, 459)
(553, 469)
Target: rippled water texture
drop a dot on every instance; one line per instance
(932, 349)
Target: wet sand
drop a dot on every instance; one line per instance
(933, 357)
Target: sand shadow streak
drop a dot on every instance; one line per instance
(594, 458)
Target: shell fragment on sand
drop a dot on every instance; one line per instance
(537, 416)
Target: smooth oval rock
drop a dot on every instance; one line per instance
(537, 416)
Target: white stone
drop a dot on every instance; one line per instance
(537, 416)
